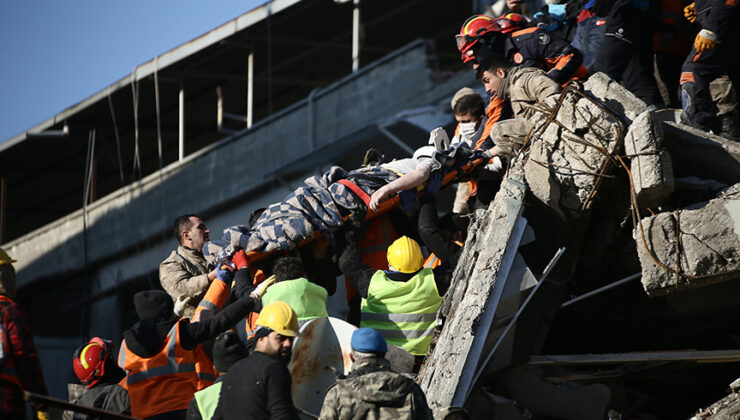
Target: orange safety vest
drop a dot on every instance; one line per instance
(214, 299)
(7, 365)
(433, 262)
(168, 380)
(374, 247)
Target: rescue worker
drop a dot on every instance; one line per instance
(97, 370)
(626, 52)
(291, 286)
(227, 350)
(162, 356)
(402, 302)
(371, 390)
(469, 111)
(259, 387)
(19, 364)
(522, 87)
(185, 271)
(713, 55)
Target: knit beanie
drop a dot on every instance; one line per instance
(228, 350)
(466, 91)
(154, 304)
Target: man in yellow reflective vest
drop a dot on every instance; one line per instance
(307, 299)
(400, 303)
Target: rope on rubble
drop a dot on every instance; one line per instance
(618, 161)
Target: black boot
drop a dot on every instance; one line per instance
(730, 126)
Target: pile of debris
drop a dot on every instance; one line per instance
(603, 193)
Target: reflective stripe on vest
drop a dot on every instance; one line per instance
(207, 400)
(307, 299)
(167, 380)
(403, 312)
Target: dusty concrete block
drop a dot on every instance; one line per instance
(567, 159)
(614, 96)
(651, 166)
(706, 248)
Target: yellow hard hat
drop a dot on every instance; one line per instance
(5, 258)
(404, 255)
(279, 317)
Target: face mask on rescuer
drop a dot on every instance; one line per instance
(467, 129)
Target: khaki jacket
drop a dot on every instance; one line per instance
(524, 87)
(185, 272)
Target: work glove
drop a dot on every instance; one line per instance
(42, 415)
(240, 260)
(689, 12)
(495, 165)
(260, 290)
(705, 40)
(180, 304)
(439, 139)
(225, 274)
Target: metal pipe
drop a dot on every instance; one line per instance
(602, 289)
(356, 36)
(64, 132)
(250, 89)
(181, 123)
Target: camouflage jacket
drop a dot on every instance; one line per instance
(185, 272)
(372, 391)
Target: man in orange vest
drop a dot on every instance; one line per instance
(162, 356)
(19, 365)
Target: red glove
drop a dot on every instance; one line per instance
(240, 260)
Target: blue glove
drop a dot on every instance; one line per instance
(557, 11)
(226, 275)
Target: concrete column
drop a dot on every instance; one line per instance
(356, 36)
(181, 137)
(250, 89)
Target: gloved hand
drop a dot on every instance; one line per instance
(260, 290)
(496, 165)
(705, 40)
(42, 415)
(225, 274)
(689, 12)
(180, 304)
(240, 260)
(439, 139)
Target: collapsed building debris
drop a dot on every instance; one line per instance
(594, 153)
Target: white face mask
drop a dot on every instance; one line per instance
(467, 130)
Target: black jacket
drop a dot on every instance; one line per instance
(257, 388)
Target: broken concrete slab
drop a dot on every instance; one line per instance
(701, 242)
(704, 155)
(478, 285)
(570, 155)
(650, 165)
(614, 96)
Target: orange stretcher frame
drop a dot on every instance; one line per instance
(385, 207)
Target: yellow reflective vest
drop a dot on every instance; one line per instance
(307, 299)
(403, 312)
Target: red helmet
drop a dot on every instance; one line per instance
(89, 360)
(471, 31)
(511, 22)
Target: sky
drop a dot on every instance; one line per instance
(55, 53)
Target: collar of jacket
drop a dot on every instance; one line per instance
(503, 90)
(190, 251)
(369, 365)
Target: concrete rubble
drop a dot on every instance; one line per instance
(595, 142)
(699, 245)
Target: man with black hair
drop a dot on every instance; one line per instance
(259, 386)
(186, 271)
(307, 299)
(162, 356)
(522, 87)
